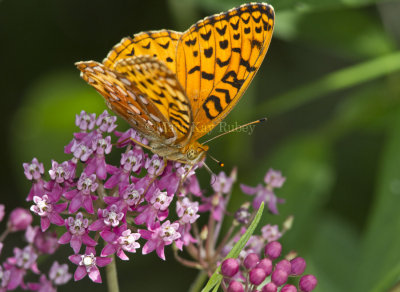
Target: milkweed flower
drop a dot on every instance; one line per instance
(273, 179)
(143, 202)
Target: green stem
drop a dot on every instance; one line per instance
(198, 283)
(112, 278)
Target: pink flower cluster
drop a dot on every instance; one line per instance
(14, 268)
(143, 202)
(94, 200)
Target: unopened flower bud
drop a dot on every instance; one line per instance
(289, 288)
(229, 267)
(298, 266)
(266, 265)
(20, 219)
(235, 286)
(288, 223)
(307, 283)
(273, 250)
(251, 260)
(279, 277)
(204, 233)
(270, 287)
(257, 276)
(284, 265)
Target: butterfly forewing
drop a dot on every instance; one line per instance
(218, 57)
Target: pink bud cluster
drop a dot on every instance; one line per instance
(253, 273)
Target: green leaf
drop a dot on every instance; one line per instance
(339, 80)
(216, 278)
(379, 268)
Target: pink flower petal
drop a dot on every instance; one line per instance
(88, 204)
(65, 238)
(76, 203)
(94, 275)
(248, 190)
(86, 239)
(160, 251)
(56, 219)
(108, 235)
(103, 261)
(44, 223)
(122, 255)
(75, 258)
(148, 247)
(97, 225)
(76, 243)
(80, 273)
(109, 249)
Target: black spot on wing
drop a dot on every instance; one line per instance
(256, 43)
(212, 101)
(206, 36)
(221, 31)
(207, 76)
(235, 26)
(237, 50)
(194, 69)
(231, 79)
(223, 44)
(257, 19)
(132, 52)
(223, 63)
(246, 64)
(191, 42)
(165, 46)
(208, 52)
(147, 46)
(226, 92)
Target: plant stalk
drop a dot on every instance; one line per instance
(112, 277)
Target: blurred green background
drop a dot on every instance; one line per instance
(330, 87)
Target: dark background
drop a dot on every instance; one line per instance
(330, 87)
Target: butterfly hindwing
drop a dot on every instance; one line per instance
(156, 81)
(159, 44)
(218, 57)
(123, 97)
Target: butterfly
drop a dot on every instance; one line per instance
(175, 87)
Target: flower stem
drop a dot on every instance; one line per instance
(198, 283)
(112, 278)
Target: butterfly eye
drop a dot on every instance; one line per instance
(192, 154)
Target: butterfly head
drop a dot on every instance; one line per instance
(195, 152)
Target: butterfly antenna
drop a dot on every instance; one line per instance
(213, 175)
(217, 161)
(235, 129)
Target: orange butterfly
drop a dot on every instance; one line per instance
(175, 87)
